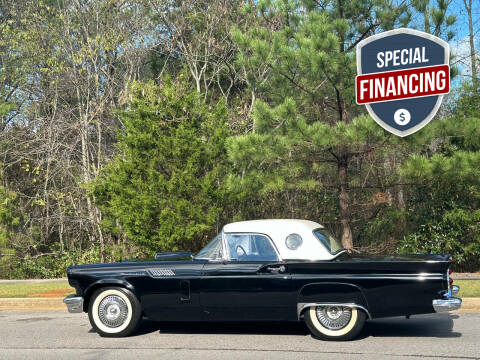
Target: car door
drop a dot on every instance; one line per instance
(250, 282)
(170, 292)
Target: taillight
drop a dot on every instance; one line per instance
(450, 280)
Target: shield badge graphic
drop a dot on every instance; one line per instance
(402, 77)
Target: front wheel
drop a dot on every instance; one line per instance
(334, 322)
(114, 312)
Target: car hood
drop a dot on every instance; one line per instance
(136, 264)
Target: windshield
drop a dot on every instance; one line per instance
(328, 240)
(213, 250)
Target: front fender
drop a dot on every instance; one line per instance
(87, 293)
(331, 292)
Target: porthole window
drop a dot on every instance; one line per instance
(293, 241)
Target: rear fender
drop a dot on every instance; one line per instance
(331, 293)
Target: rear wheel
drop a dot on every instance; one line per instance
(334, 322)
(114, 312)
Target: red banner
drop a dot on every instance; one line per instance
(402, 84)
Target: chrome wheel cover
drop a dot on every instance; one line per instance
(334, 317)
(112, 311)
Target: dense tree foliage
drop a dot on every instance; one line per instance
(166, 188)
(129, 127)
(444, 203)
(309, 130)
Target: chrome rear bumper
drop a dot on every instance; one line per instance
(448, 303)
(74, 303)
(455, 289)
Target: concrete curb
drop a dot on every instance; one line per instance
(34, 281)
(466, 277)
(470, 304)
(46, 304)
(33, 303)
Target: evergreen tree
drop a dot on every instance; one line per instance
(307, 129)
(435, 18)
(165, 189)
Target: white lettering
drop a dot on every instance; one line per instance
(363, 88)
(416, 56)
(380, 56)
(379, 87)
(429, 82)
(412, 89)
(391, 87)
(424, 59)
(402, 84)
(396, 55)
(401, 57)
(441, 81)
(404, 57)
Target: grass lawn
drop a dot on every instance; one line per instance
(44, 289)
(468, 288)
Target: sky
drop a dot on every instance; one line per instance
(459, 45)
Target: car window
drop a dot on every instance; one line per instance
(332, 244)
(250, 247)
(293, 241)
(213, 250)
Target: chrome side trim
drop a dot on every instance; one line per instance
(338, 254)
(74, 303)
(160, 272)
(302, 306)
(418, 277)
(225, 256)
(448, 304)
(455, 289)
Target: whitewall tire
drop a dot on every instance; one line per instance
(114, 312)
(334, 322)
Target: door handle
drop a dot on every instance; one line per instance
(276, 269)
(184, 290)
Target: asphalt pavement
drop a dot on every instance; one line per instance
(60, 335)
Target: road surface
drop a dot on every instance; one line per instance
(60, 335)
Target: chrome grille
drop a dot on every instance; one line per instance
(161, 272)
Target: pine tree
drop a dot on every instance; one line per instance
(308, 132)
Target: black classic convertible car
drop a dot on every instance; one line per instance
(281, 270)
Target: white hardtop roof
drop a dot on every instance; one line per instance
(279, 229)
(267, 225)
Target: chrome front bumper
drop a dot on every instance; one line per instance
(74, 303)
(449, 303)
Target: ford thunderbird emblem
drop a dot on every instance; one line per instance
(402, 77)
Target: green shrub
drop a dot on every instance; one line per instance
(456, 234)
(54, 266)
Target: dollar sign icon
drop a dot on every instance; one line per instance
(402, 117)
